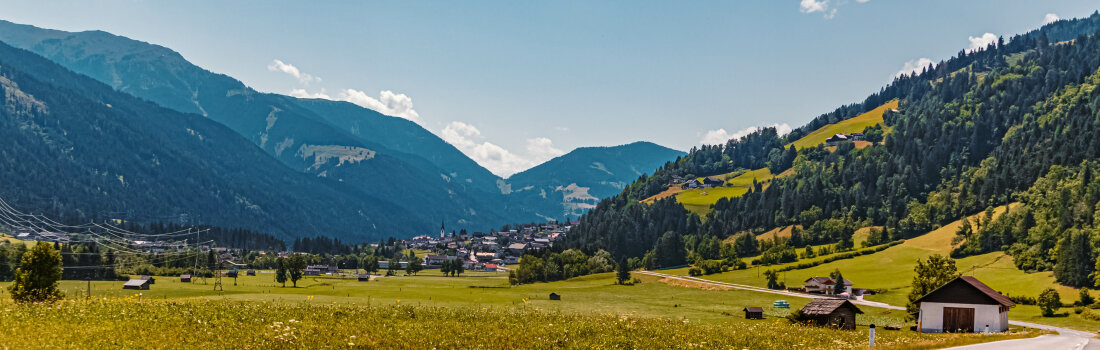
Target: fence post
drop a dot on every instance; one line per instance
(872, 335)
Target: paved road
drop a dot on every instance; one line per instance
(765, 290)
(1068, 339)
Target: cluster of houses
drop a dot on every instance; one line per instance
(488, 251)
(705, 182)
(838, 138)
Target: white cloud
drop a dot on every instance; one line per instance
(914, 66)
(811, 6)
(1050, 18)
(280, 66)
(720, 136)
(302, 93)
(862, 1)
(541, 149)
(388, 103)
(981, 42)
(467, 138)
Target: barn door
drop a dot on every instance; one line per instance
(957, 319)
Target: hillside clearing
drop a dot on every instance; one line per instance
(847, 126)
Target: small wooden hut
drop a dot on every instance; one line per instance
(555, 296)
(150, 279)
(185, 278)
(138, 284)
(839, 313)
(754, 313)
(250, 272)
(364, 278)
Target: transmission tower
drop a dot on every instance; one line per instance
(218, 278)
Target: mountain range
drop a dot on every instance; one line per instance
(385, 161)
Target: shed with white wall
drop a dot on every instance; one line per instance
(964, 305)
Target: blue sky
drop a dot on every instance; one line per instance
(514, 83)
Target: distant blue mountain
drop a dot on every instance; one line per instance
(571, 184)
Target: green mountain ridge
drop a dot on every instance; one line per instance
(1015, 121)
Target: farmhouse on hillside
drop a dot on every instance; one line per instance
(964, 305)
(712, 181)
(138, 284)
(824, 285)
(839, 313)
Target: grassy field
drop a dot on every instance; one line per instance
(478, 310)
(855, 124)
(125, 324)
(892, 269)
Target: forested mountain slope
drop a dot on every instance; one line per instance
(421, 173)
(377, 155)
(76, 149)
(973, 132)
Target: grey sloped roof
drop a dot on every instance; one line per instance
(136, 282)
(825, 306)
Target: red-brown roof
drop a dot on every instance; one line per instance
(978, 286)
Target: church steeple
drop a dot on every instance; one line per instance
(442, 230)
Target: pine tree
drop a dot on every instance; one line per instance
(622, 274)
(38, 274)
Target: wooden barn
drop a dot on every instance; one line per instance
(754, 313)
(250, 272)
(964, 305)
(364, 278)
(150, 279)
(555, 296)
(839, 313)
(138, 284)
(185, 278)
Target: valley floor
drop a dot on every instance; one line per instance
(478, 310)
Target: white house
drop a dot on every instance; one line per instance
(964, 305)
(824, 285)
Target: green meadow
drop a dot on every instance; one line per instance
(477, 310)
